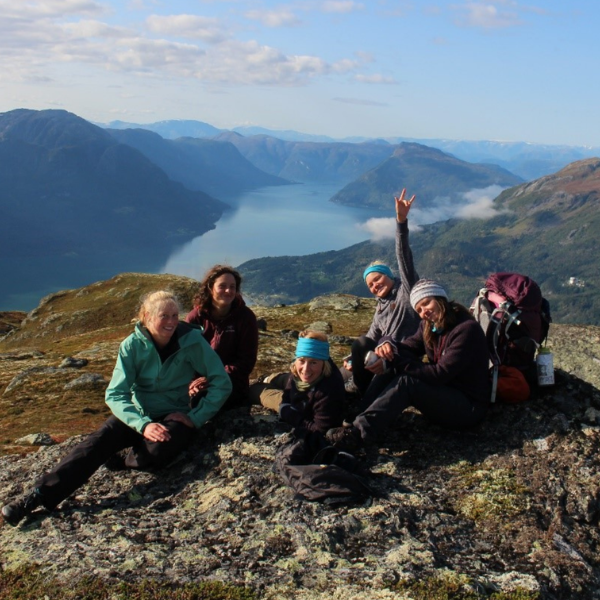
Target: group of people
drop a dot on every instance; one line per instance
(172, 376)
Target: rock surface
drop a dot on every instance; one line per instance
(512, 505)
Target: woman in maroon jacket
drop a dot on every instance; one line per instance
(229, 327)
(451, 389)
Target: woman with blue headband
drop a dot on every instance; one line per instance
(394, 315)
(312, 396)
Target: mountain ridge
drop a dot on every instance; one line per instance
(544, 229)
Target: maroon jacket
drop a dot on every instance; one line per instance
(235, 339)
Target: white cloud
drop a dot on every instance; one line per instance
(480, 203)
(341, 6)
(487, 15)
(49, 8)
(187, 26)
(283, 17)
(380, 228)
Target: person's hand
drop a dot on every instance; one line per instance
(403, 206)
(180, 418)
(385, 351)
(156, 432)
(198, 385)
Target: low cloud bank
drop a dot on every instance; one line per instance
(474, 204)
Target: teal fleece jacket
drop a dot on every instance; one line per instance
(143, 389)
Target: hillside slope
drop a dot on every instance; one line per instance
(507, 511)
(75, 203)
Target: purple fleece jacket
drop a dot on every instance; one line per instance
(459, 359)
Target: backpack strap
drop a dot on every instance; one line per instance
(494, 370)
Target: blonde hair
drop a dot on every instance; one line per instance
(315, 335)
(152, 301)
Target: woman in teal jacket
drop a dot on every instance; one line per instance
(149, 398)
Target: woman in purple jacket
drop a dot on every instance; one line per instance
(229, 327)
(452, 388)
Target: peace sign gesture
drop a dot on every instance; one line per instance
(403, 206)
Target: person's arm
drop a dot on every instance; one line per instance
(406, 267)
(118, 395)
(208, 364)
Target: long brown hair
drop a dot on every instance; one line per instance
(203, 299)
(449, 311)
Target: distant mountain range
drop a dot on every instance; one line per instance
(547, 229)
(214, 167)
(527, 160)
(427, 172)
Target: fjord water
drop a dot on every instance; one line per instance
(289, 220)
(273, 221)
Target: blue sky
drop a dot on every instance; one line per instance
(494, 69)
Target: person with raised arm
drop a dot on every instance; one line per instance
(394, 316)
(451, 388)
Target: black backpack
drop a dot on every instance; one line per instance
(327, 475)
(515, 318)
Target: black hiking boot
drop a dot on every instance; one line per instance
(346, 439)
(16, 511)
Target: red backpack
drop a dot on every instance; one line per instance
(515, 318)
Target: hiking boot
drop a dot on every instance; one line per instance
(16, 511)
(346, 439)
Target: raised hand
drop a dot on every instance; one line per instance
(403, 206)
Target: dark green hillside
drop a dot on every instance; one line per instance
(77, 205)
(216, 168)
(425, 171)
(546, 229)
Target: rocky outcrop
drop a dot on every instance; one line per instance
(511, 508)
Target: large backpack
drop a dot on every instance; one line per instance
(515, 318)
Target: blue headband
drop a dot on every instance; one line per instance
(378, 269)
(311, 348)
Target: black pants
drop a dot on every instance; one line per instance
(443, 405)
(362, 377)
(87, 457)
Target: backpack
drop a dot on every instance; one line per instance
(515, 318)
(328, 476)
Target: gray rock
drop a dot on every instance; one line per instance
(335, 302)
(321, 326)
(73, 363)
(36, 439)
(87, 381)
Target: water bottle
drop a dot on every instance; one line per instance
(545, 367)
